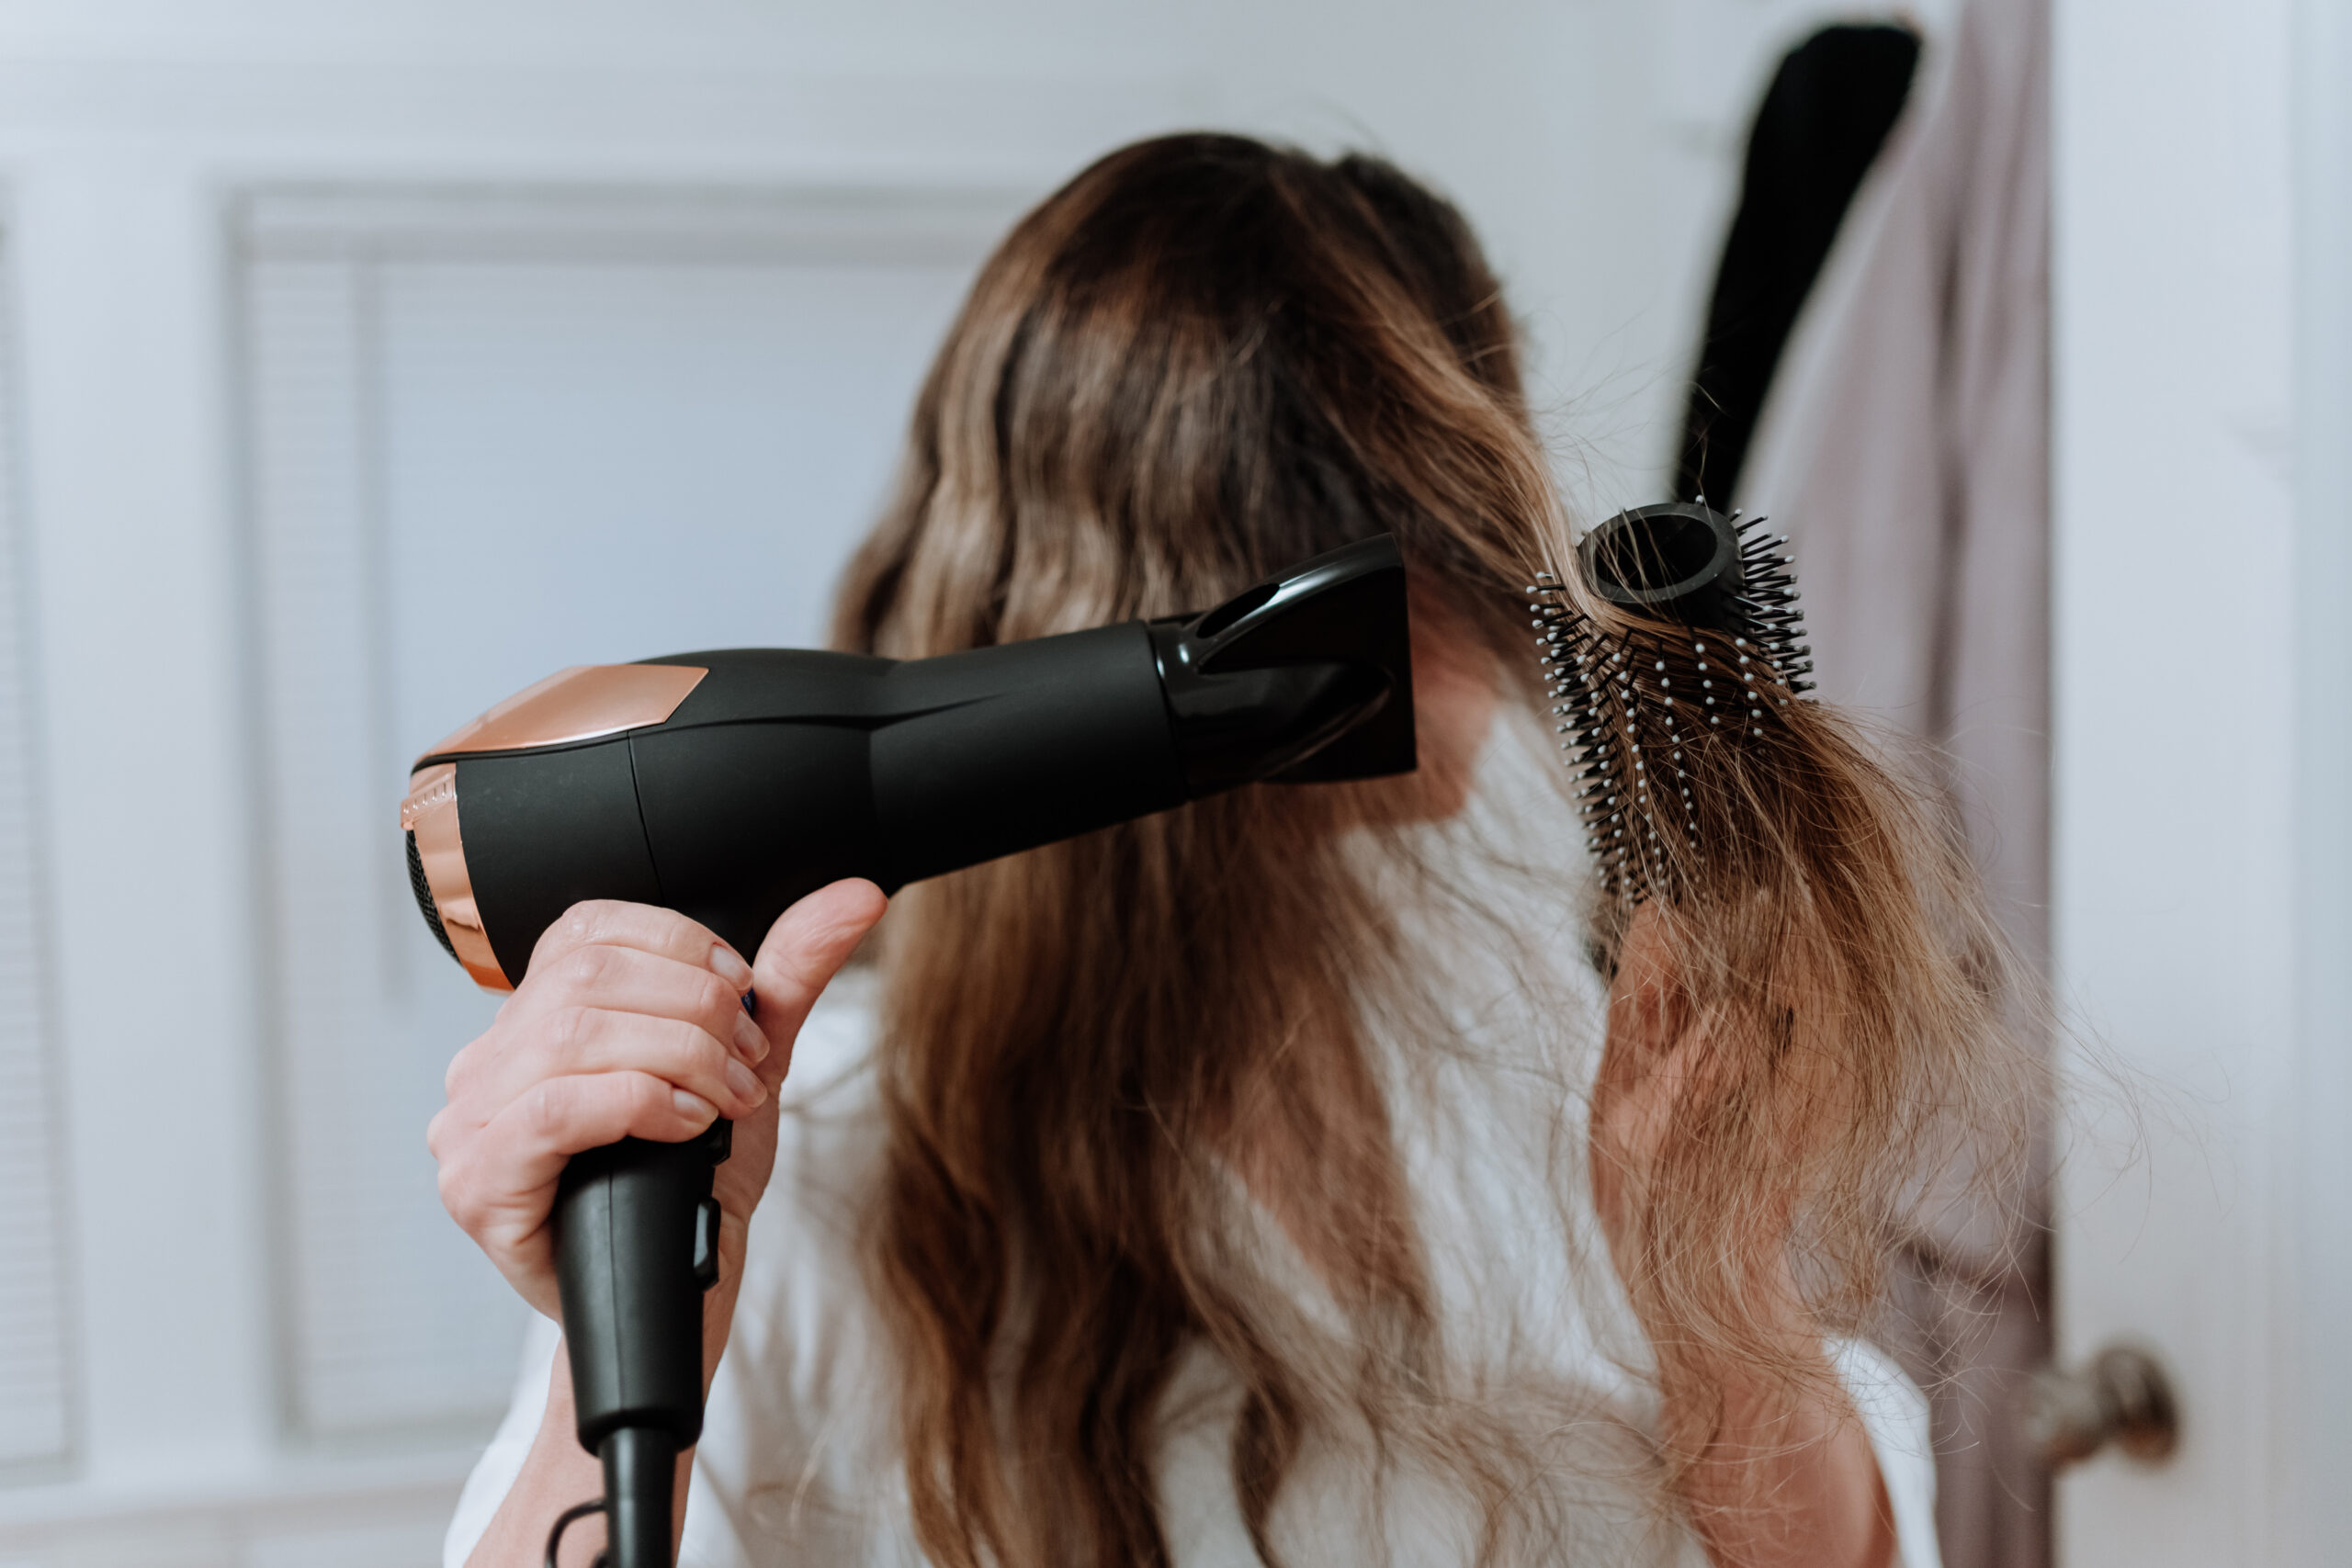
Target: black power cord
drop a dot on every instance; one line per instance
(565, 1521)
(640, 1471)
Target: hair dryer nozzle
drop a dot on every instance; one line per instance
(1307, 678)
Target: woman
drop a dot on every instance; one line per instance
(1219, 1188)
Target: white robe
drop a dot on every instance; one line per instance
(799, 1463)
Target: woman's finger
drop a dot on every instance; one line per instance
(548, 1029)
(628, 979)
(805, 948)
(523, 1150)
(665, 933)
(604, 1040)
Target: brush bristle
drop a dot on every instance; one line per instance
(1640, 712)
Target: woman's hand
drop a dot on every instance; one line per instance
(630, 1023)
(1779, 1473)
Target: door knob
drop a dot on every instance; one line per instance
(2121, 1397)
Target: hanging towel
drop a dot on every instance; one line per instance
(1822, 122)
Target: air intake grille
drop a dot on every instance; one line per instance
(423, 891)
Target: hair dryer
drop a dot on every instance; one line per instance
(727, 784)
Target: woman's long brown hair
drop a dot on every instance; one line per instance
(1203, 360)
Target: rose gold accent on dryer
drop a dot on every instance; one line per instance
(579, 704)
(431, 813)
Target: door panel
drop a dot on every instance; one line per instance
(2182, 730)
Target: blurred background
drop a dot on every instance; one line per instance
(360, 364)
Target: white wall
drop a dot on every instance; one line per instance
(2309, 1359)
(1593, 143)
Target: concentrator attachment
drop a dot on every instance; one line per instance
(727, 785)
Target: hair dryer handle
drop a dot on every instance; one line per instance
(635, 1245)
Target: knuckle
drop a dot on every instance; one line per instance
(569, 1029)
(584, 919)
(548, 1109)
(569, 929)
(718, 998)
(663, 925)
(670, 1045)
(457, 1197)
(700, 1055)
(648, 1094)
(466, 1066)
(588, 966)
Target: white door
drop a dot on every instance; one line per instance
(2202, 573)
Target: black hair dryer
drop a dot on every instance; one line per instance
(725, 785)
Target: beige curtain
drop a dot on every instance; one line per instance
(1905, 449)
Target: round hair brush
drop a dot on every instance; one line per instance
(1695, 647)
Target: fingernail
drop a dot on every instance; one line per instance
(729, 968)
(744, 1085)
(750, 1044)
(693, 1106)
